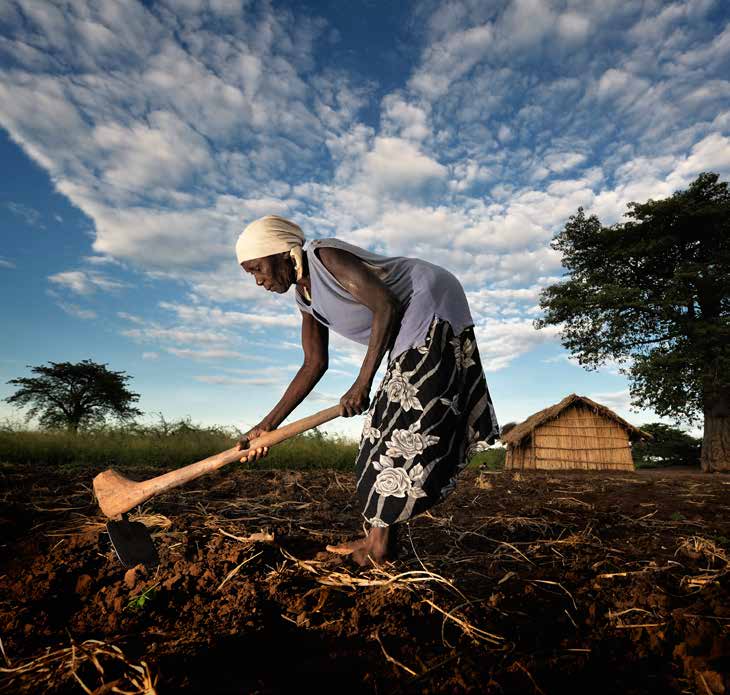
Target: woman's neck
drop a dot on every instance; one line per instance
(304, 281)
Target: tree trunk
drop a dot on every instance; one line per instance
(716, 441)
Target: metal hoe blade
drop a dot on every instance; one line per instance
(132, 543)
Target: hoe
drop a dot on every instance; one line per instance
(116, 494)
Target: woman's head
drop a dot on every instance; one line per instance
(270, 249)
(275, 273)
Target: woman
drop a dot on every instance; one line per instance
(431, 412)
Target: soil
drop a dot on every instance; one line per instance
(518, 583)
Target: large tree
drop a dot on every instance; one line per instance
(653, 293)
(73, 396)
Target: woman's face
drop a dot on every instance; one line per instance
(275, 272)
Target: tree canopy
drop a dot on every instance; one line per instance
(669, 446)
(653, 293)
(74, 396)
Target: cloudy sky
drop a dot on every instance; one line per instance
(138, 138)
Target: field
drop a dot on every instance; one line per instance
(540, 583)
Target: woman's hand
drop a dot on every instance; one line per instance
(253, 433)
(356, 400)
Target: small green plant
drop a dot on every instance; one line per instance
(677, 516)
(138, 603)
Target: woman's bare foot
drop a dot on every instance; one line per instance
(347, 548)
(376, 548)
(359, 551)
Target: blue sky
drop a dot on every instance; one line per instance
(138, 139)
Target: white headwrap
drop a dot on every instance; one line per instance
(269, 235)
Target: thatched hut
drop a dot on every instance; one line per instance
(576, 433)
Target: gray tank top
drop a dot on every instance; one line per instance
(425, 290)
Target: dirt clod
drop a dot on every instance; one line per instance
(83, 584)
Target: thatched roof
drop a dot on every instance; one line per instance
(524, 429)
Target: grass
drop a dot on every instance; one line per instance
(491, 459)
(163, 446)
(171, 445)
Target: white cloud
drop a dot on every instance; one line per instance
(403, 226)
(5, 263)
(450, 59)
(504, 133)
(403, 119)
(490, 302)
(152, 333)
(157, 237)
(656, 177)
(324, 397)
(76, 311)
(205, 355)
(710, 154)
(501, 342)
(277, 370)
(101, 260)
(468, 174)
(608, 366)
(131, 318)
(615, 400)
(713, 52)
(563, 161)
(616, 83)
(141, 97)
(174, 126)
(238, 381)
(29, 215)
(573, 26)
(526, 21)
(162, 151)
(86, 282)
(527, 221)
(395, 167)
(203, 333)
(213, 317)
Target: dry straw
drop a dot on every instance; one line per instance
(718, 562)
(81, 524)
(411, 580)
(60, 667)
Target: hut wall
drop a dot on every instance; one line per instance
(581, 439)
(518, 457)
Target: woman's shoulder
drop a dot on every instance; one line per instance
(336, 243)
(364, 255)
(329, 247)
(331, 241)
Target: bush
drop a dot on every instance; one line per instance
(492, 459)
(670, 446)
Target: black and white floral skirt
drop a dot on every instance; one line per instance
(430, 415)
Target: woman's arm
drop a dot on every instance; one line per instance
(315, 339)
(369, 290)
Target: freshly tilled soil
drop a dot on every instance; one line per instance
(533, 583)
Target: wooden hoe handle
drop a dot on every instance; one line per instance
(117, 494)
